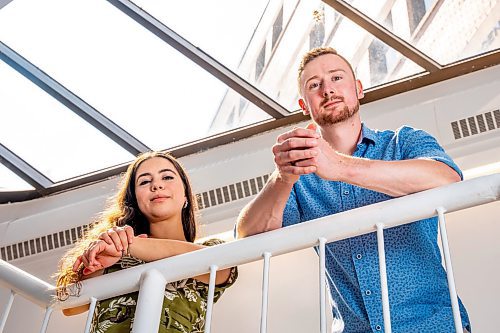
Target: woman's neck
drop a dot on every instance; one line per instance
(167, 229)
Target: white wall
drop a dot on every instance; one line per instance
(293, 301)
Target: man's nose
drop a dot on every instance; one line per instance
(328, 90)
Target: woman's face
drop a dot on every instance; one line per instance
(159, 190)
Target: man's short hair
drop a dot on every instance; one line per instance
(313, 54)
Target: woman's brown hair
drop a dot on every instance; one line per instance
(123, 210)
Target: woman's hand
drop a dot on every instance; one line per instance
(120, 237)
(99, 255)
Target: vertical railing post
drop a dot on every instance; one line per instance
(449, 270)
(383, 278)
(6, 311)
(46, 319)
(322, 285)
(265, 292)
(210, 300)
(90, 315)
(150, 302)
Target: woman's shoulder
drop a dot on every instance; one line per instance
(212, 242)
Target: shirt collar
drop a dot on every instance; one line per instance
(367, 134)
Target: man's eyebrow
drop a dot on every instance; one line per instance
(329, 72)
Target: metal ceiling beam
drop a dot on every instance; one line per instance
(384, 35)
(4, 3)
(25, 171)
(201, 58)
(71, 101)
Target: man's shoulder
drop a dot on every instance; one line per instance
(402, 132)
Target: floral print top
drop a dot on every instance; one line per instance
(184, 303)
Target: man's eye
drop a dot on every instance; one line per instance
(314, 85)
(337, 78)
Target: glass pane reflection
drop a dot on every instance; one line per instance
(447, 31)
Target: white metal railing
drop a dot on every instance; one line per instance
(153, 276)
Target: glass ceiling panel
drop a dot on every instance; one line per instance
(9, 181)
(373, 61)
(47, 135)
(235, 33)
(447, 31)
(268, 38)
(121, 69)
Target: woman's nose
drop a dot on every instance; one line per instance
(157, 186)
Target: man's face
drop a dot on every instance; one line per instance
(331, 94)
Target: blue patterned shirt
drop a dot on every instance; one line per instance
(418, 289)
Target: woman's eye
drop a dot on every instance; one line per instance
(143, 182)
(168, 177)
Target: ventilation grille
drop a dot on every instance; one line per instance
(42, 244)
(63, 238)
(475, 125)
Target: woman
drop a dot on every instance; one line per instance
(152, 217)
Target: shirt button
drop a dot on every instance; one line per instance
(359, 256)
(368, 292)
(378, 327)
(346, 192)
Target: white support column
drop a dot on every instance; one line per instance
(6, 311)
(322, 285)
(383, 278)
(210, 300)
(90, 315)
(149, 302)
(449, 270)
(46, 319)
(265, 293)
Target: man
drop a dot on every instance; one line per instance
(348, 165)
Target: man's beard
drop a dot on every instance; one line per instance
(333, 117)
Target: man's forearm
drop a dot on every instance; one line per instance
(398, 178)
(265, 211)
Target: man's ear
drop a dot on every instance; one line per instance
(303, 106)
(359, 89)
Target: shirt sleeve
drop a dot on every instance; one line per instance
(418, 144)
(291, 214)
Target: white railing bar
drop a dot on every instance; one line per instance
(46, 319)
(336, 227)
(449, 270)
(26, 285)
(322, 285)
(265, 292)
(6, 311)
(90, 314)
(150, 302)
(210, 298)
(383, 278)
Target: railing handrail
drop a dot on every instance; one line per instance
(343, 225)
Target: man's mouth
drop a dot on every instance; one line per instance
(332, 102)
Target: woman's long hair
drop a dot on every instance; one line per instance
(122, 209)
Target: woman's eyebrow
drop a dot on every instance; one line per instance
(164, 170)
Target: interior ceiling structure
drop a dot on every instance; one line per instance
(86, 86)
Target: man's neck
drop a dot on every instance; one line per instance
(344, 136)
